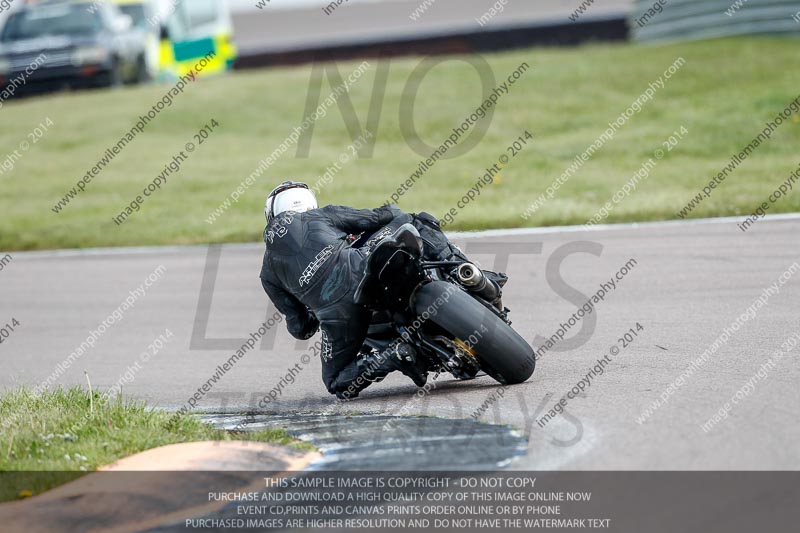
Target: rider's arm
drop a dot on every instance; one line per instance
(300, 321)
(360, 220)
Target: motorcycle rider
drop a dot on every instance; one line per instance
(311, 270)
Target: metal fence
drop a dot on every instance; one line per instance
(671, 20)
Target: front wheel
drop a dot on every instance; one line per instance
(501, 351)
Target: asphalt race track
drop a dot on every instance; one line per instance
(689, 282)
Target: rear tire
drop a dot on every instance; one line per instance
(501, 351)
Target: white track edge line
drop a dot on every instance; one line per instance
(142, 250)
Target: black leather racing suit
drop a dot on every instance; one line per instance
(310, 272)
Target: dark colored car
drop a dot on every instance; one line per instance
(76, 44)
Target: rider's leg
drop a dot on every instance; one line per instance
(342, 339)
(346, 371)
(344, 326)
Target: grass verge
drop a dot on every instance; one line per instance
(723, 96)
(70, 432)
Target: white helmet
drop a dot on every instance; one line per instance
(289, 196)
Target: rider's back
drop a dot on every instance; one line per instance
(300, 247)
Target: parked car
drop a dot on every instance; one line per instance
(144, 15)
(75, 44)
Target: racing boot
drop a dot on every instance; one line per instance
(373, 367)
(411, 365)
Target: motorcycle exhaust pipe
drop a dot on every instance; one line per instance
(470, 275)
(475, 281)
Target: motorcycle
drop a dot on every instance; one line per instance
(445, 309)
